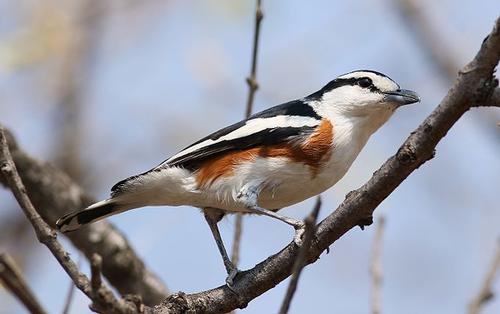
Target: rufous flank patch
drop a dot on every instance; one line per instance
(312, 151)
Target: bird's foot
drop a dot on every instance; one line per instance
(232, 273)
(300, 228)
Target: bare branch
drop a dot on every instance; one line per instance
(69, 298)
(300, 261)
(252, 88)
(376, 267)
(11, 278)
(473, 86)
(238, 230)
(485, 294)
(54, 194)
(71, 291)
(95, 272)
(48, 237)
(252, 79)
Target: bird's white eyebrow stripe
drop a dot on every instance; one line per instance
(250, 127)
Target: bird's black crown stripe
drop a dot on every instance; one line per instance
(338, 82)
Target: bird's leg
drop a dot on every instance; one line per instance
(213, 216)
(249, 195)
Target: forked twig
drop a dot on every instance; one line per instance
(300, 262)
(252, 88)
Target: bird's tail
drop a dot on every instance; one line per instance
(95, 212)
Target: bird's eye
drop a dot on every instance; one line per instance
(365, 82)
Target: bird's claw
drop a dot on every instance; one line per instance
(230, 278)
(300, 229)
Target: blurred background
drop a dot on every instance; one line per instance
(106, 89)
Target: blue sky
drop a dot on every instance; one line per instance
(165, 74)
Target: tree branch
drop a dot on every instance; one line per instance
(12, 280)
(95, 272)
(54, 194)
(71, 292)
(485, 294)
(252, 79)
(48, 237)
(473, 86)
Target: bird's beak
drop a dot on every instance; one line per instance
(402, 97)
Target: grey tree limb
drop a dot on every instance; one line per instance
(103, 299)
(71, 293)
(12, 279)
(473, 87)
(53, 194)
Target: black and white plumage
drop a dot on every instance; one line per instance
(273, 159)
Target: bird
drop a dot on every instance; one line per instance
(273, 159)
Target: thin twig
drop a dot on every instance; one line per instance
(485, 294)
(48, 236)
(376, 267)
(238, 229)
(69, 298)
(11, 278)
(252, 79)
(300, 261)
(95, 272)
(71, 291)
(252, 88)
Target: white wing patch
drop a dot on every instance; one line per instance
(251, 127)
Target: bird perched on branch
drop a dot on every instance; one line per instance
(273, 159)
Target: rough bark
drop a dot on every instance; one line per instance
(53, 194)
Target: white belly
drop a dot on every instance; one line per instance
(280, 183)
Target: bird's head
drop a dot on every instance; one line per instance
(362, 93)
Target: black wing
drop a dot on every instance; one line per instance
(268, 136)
